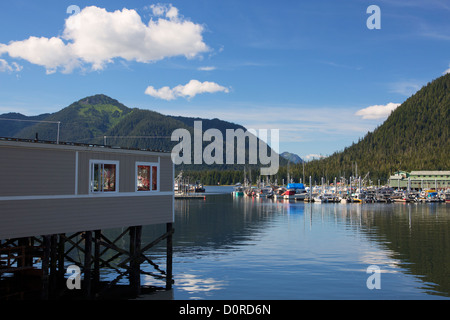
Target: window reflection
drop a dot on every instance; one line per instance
(143, 178)
(147, 177)
(103, 177)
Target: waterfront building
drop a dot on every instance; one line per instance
(420, 180)
(52, 193)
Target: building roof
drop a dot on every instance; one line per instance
(430, 173)
(61, 144)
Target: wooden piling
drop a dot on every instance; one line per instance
(54, 250)
(96, 271)
(169, 252)
(87, 263)
(135, 266)
(45, 267)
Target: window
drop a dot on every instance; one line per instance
(104, 176)
(147, 176)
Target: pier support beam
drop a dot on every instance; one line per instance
(135, 266)
(45, 267)
(87, 263)
(91, 251)
(169, 252)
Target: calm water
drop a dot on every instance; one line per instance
(229, 247)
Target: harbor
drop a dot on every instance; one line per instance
(241, 247)
(353, 191)
(335, 194)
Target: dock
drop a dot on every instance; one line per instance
(190, 196)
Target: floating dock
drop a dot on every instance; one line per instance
(190, 196)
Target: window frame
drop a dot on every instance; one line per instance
(92, 162)
(150, 164)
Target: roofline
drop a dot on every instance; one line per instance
(6, 141)
(431, 172)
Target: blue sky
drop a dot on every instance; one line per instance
(312, 69)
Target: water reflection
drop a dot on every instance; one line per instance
(194, 284)
(310, 241)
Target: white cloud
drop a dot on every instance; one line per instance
(189, 90)
(158, 9)
(313, 156)
(6, 67)
(377, 111)
(168, 11)
(207, 68)
(96, 37)
(49, 53)
(447, 71)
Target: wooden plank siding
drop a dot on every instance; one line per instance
(44, 189)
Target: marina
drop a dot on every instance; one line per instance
(241, 247)
(183, 189)
(338, 193)
(248, 240)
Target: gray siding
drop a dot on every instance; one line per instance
(30, 171)
(38, 193)
(41, 217)
(166, 175)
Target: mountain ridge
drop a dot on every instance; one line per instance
(291, 157)
(98, 119)
(415, 136)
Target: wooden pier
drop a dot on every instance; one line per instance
(35, 267)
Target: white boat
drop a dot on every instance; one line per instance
(320, 198)
(266, 192)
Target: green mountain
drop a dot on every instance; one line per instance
(100, 119)
(414, 137)
(83, 121)
(12, 128)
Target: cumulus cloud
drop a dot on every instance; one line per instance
(49, 53)
(164, 10)
(189, 90)
(377, 111)
(96, 37)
